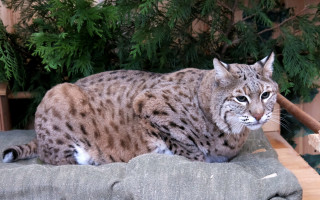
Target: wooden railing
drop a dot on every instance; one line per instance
(305, 119)
(299, 114)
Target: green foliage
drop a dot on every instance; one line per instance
(76, 38)
(10, 62)
(73, 38)
(313, 161)
(165, 37)
(81, 37)
(57, 41)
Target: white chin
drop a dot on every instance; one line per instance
(254, 127)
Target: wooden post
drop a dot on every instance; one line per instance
(5, 121)
(304, 118)
(299, 114)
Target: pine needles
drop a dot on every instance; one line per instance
(10, 62)
(80, 37)
(165, 37)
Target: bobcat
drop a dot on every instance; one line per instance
(113, 116)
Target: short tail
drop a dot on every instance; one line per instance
(18, 152)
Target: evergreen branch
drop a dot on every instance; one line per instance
(284, 21)
(236, 41)
(245, 18)
(225, 6)
(230, 26)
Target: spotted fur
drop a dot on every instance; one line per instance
(114, 116)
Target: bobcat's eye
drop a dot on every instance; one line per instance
(242, 98)
(265, 95)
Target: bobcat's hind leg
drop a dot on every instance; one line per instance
(174, 114)
(64, 122)
(82, 157)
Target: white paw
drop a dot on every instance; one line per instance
(216, 159)
(8, 157)
(163, 149)
(82, 157)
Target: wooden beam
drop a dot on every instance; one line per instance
(5, 121)
(3, 89)
(299, 114)
(20, 95)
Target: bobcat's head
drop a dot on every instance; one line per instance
(246, 94)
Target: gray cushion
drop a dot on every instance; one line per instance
(151, 176)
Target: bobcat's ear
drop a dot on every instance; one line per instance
(222, 75)
(267, 64)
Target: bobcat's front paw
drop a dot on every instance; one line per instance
(218, 159)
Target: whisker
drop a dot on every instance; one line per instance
(285, 126)
(281, 114)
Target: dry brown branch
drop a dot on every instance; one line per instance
(236, 41)
(230, 26)
(224, 5)
(284, 21)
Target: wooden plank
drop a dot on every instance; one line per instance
(5, 122)
(3, 89)
(20, 95)
(308, 178)
(9, 17)
(312, 108)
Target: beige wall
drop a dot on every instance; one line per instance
(313, 109)
(300, 4)
(8, 17)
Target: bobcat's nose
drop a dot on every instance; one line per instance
(257, 116)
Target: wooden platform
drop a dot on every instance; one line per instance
(308, 178)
